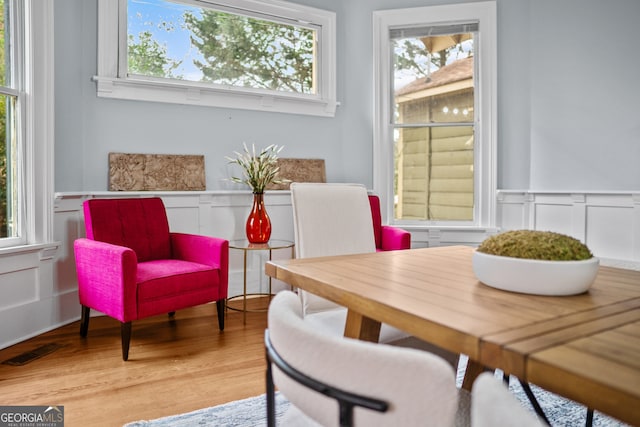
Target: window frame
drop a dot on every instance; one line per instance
(485, 120)
(15, 157)
(34, 84)
(112, 39)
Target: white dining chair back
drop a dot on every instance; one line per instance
(330, 219)
(418, 386)
(335, 219)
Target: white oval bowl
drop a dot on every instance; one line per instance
(532, 276)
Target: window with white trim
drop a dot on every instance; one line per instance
(435, 114)
(11, 134)
(26, 123)
(266, 55)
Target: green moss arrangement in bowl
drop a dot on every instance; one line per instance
(535, 262)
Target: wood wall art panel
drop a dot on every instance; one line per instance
(299, 170)
(156, 172)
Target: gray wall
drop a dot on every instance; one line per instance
(585, 113)
(568, 97)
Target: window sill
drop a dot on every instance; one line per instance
(46, 250)
(195, 94)
(470, 228)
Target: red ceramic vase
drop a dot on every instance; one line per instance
(258, 224)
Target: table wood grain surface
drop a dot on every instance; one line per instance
(585, 347)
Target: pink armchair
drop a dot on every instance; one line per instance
(388, 238)
(130, 266)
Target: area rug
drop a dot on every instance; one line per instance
(561, 411)
(251, 412)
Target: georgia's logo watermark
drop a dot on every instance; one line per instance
(31, 416)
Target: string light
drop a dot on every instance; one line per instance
(465, 111)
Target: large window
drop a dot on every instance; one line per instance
(26, 123)
(435, 114)
(265, 55)
(10, 138)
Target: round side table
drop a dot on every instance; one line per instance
(245, 246)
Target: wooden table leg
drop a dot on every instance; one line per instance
(361, 327)
(366, 329)
(471, 373)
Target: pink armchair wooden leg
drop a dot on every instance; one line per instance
(220, 308)
(84, 321)
(125, 335)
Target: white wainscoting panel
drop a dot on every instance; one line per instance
(30, 301)
(447, 236)
(611, 231)
(24, 292)
(609, 223)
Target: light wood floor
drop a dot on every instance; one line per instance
(174, 366)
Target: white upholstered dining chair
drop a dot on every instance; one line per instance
(330, 219)
(412, 387)
(335, 219)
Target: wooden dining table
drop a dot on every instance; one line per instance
(585, 347)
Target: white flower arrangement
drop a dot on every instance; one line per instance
(259, 169)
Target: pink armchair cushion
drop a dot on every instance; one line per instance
(170, 285)
(201, 249)
(388, 238)
(140, 224)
